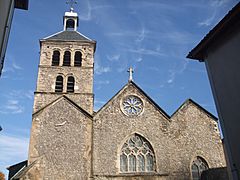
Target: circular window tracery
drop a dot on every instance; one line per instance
(132, 105)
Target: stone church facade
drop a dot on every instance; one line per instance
(129, 138)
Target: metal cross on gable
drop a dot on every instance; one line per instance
(130, 70)
(71, 3)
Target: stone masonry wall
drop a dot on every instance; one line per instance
(176, 141)
(60, 142)
(112, 127)
(83, 75)
(85, 101)
(194, 133)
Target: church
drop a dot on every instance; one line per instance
(129, 138)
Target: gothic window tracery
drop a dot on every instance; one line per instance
(137, 155)
(198, 166)
(67, 58)
(55, 58)
(59, 84)
(78, 58)
(70, 84)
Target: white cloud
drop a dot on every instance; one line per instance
(141, 35)
(102, 82)
(86, 15)
(14, 103)
(154, 4)
(114, 57)
(144, 51)
(17, 67)
(13, 67)
(12, 150)
(20, 94)
(208, 21)
(176, 71)
(218, 3)
(12, 106)
(99, 69)
(139, 59)
(87, 12)
(29, 94)
(122, 68)
(215, 6)
(98, 104)
(137, 35)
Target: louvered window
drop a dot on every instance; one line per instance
(59, 84)
(67, 58)
(55, 58)
(78, 58)
(70, 84)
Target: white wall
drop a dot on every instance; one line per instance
(223, 65)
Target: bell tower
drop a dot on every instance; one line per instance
(66, 66)
(61, 133)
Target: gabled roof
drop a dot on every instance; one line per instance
(142, 92)
(16, 168)
(156, 105)
(198, 106)
(69, 36)
(222, 29)
(23, 171)
(70, 101)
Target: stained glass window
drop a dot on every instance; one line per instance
(137, 155)
(198, 166)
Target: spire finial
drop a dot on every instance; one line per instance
(71, 3)
(130, 70)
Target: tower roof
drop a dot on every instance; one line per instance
(69, 36)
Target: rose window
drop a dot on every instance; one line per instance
(132, 105)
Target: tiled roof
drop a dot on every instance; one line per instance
(68, 36)
(228, 23)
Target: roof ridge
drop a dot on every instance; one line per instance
(84, 36)
(143, 93)
(69, 36)
(52, 35)
(189, 100)
(69, 100)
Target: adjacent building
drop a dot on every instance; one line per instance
(220, 50)
(6, 14)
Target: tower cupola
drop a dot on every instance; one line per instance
(70, 20)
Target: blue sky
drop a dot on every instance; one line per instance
(152, 36)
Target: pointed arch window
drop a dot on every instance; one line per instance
(59, 84)
(55, 58)
(70, 84)
(67, 58)
(78, 58)
(137, 155)
(198, 166)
